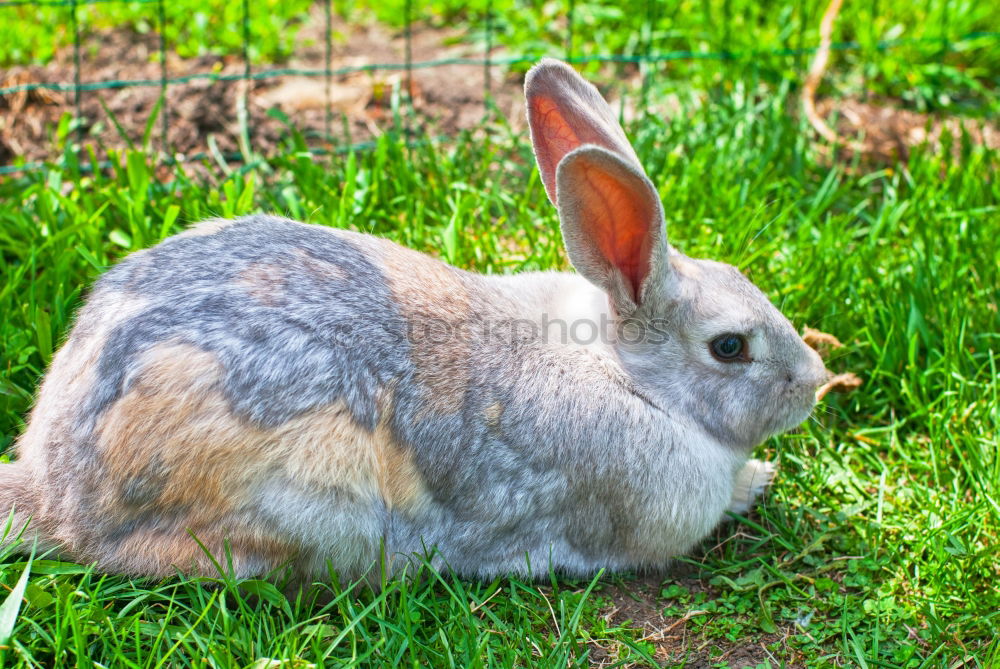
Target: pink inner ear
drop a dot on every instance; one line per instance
(553, 139)
(618, 216)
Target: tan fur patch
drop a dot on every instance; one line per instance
(158, 553)
(175, 415)
(71, 376)
(45, 449)
(264, 282)
(205, 228)
(327, 446)
(492, 414)
(685, 267)
(318, 268)
(174, 438)
(436, 304)
(399, 482)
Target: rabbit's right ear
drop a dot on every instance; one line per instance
(566, 112)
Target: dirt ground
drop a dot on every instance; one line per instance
(203, 114)
(637, 604)
(446, 99)
(883, 132)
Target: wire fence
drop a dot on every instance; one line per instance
(643, 53)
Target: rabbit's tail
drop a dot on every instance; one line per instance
(16, 501)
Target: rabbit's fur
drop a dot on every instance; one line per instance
(296, 394)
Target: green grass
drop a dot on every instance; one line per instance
(761, 38)
(34, 33)
(877, 546)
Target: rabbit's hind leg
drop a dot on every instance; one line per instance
(158, 552)
(16, 501)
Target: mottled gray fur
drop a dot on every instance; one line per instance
(280, 359)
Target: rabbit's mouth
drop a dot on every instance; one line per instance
(802, 415)
(802, 405)
(804, 394)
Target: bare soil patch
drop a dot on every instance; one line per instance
(884, 132)
(638, 605)
(203, 112)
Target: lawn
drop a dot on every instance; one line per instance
(877, 546)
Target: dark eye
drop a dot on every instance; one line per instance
(730, 348)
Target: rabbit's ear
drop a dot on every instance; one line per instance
(566, 112)
(612, 224)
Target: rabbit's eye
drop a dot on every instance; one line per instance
(730, 348)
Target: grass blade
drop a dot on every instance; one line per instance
(12, 604)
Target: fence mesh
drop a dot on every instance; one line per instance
(644, 51)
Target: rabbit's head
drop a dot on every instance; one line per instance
(696, 334)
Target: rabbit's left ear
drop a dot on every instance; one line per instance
(612, 224)
(564, 113)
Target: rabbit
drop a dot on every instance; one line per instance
(262, 393)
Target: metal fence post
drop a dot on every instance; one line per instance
(408, 44)
(77, 86)
(247, 78)
(328, 71)
(487, 62)
(164, 121)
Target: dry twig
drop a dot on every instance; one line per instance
(815, 76)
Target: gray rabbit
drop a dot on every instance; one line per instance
(300, 395)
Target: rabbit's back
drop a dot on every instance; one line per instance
(296, 315)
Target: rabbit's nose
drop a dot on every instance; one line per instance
(814, 375)
(818, 373)
(822, 376)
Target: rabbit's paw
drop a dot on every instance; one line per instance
(751, 483)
